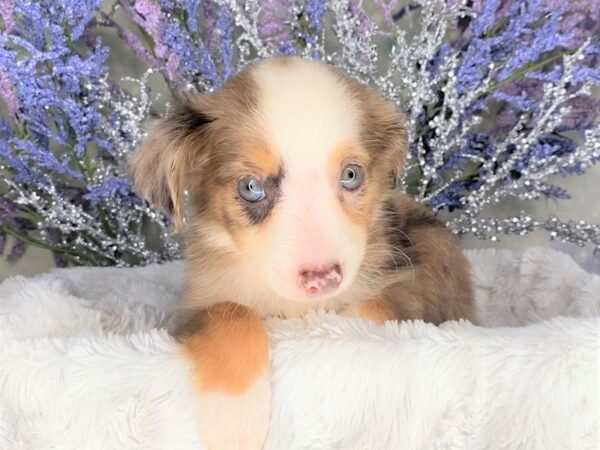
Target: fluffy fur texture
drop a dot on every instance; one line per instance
(85, 363)
(295, 124)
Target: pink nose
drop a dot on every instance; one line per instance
(320, 280)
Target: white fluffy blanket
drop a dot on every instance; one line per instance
(85, 363)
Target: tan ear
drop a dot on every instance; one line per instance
(173, 147)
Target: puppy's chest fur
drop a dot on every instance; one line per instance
(411, 261)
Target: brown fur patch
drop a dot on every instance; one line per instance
(437, 286)
(228, 347)
(171, 150)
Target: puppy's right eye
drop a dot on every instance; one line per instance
(251, 189)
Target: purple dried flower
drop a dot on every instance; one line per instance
(209, 13)
(191, 8)
(486, 18)
(530, 88)
(288, 49)
(43, 158)
(519, 96)
(315, 9)
(20, 171)
(41, 17)
(451, 197)
(8, 210)
(7, 12)
(474, 65)
(16, 252)
(225, 32)
(109, 188)
(520, 102)
(584, 74)
(581, 19)
(584, 113)
(363, 26)
(136, 45)
(540, 153)
(150, 17)
(557, 192)
(511, 40)
(478, 144)
(506, 119)
(7, 94)
(546, 38)
(549, 76)
(42, 95)
(194, 57)
(434, 65)
(274, 22)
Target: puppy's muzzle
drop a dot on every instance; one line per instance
(317, 281)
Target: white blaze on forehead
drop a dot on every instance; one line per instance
(306, 111)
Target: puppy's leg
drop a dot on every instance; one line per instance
(376, 309)
(229, 351)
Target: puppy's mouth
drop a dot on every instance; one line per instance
(321, 281)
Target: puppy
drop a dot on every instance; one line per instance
(291, 170)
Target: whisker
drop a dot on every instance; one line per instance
(403, 232)
(384, 250)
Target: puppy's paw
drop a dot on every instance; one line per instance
(236, 422)
(228, 348)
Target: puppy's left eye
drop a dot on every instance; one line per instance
(251, 189)
(352, 177)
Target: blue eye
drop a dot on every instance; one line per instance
(352, 177)
(251, 189)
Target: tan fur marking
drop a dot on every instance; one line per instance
(230, 349)
(346, 153)
(377, 309)
(358, 208)
(264, 160)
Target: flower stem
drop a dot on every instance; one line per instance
(71, 255)
(529, 68)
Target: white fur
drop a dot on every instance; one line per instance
(306, 111)
(306, 114)
(84, 364)
(239, 422)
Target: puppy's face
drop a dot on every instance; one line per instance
(287, 166)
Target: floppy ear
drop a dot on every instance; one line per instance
(173, 147)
